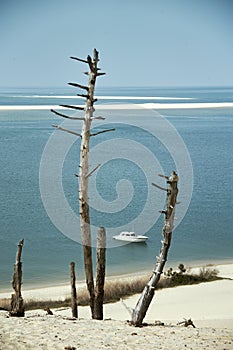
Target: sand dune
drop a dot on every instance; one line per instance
(208, 304)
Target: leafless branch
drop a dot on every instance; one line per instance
(164, 176)
(79, 86)
(101, 132)
(91, 172)
(161, 188)
(73, 107)
(78, 59)
(66, 130)
(65, 116)
(99, 118)
(83, 95)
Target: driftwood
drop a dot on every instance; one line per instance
(17, 304)
(146, 297)
(49, 312)
(74, 306)
(187, 323)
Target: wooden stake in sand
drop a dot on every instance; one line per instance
(74, 306)
(17, 305)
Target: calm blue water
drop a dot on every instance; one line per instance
(205, 233)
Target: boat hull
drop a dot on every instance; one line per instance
(130, 238)
(136, 240)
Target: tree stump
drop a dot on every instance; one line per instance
(74, 306)
(17, 304)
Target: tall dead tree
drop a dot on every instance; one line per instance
(84, 172)
(17, 305)
(146, 297)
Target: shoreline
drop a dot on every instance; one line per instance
(60, 291)
(209, 305)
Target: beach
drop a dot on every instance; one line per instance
(209, 305)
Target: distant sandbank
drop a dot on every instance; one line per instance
(191, 105)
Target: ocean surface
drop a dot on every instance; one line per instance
(196, 142)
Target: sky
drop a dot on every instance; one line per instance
(160, 43)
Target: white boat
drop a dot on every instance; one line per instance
(130, 237)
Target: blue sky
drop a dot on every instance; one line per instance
(163, 43)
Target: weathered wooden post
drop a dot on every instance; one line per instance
(74, 306)
(17, 305)
(84, 172)
(146, 297)
(100, 273)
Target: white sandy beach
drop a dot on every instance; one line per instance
(209, 305)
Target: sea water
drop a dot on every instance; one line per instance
(205, 232)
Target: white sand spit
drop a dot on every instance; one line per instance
(122, 106)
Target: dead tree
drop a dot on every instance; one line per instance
(17, 305)
(74, 306)
(84, 172)
(146, 297)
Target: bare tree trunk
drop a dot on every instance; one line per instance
(74, 306)
(100, 274)
(84, 172)
(17, 305)
(83, 180)
(147, 295)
